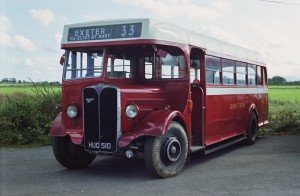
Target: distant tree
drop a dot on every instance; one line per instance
(293, 83)
(13, 80)
(5, 80)
(19, 81)
(55, 83)
(277, 80)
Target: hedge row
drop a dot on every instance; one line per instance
(27, 118)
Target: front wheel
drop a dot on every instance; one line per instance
(252, 129)
(69, 155)
(165, 156)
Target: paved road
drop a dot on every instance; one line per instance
(270, 167)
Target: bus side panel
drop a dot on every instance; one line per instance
(252, 100)
(262, 105)
(230, 107)
(213, 131)
(242, 110)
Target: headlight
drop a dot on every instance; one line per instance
(72, 111)
(131, 111)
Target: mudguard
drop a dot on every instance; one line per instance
(57, 128)
(155, 124)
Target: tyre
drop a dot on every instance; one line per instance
(165, 156)
(69, 155)
(252, 129)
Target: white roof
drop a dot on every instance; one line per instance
(158, 30)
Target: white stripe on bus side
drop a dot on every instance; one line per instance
(235, 90)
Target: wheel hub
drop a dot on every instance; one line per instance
(173, 149)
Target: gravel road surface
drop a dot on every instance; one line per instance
(270, 167)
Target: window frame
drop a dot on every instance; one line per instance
(69, 61)
(214, 71)
(233, 71)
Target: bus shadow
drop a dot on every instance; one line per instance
(199, 158)
(121, 168)
(117, 168)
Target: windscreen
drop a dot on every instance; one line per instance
(123, 61)
(83, 64)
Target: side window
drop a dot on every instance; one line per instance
(172, 65)
(195, 57)
(213, 70)
(228, 67)
(251, 74)
(259, 75)
(241, 73)
(163, 62)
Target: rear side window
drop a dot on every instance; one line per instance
(251, 74)
(241, 73)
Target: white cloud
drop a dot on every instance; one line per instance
(23, 68)
(5, 24)
(28, 61)
(9, 40)
(5, 37)
(6, 40)
(43, 16)
(222, 34)
(186, 8)
(91, 17)
(23, 43)
(279, 44)
(57, 38)
(221, 5)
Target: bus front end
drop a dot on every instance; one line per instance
(121, 98)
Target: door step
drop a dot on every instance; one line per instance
(210, 150)
(197, 148)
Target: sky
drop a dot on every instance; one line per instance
(31, 30)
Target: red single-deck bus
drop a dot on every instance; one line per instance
(150, 89)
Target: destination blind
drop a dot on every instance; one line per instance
(105, 32)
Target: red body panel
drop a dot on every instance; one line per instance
(227, 115)
(155, 124)
(57, 128)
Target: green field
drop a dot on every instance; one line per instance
(9, 91)
(284, 98)
(6, 89)
(285, 93)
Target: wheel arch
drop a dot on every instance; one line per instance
(252, 109)
(155, 124)
(57, 128)
(181, 121)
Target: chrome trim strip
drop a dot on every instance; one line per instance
(119, 132)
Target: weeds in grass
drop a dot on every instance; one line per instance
(285, 122)
(27, 118)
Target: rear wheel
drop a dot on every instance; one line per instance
(252, 129)
(69, 155)
(165, 156)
